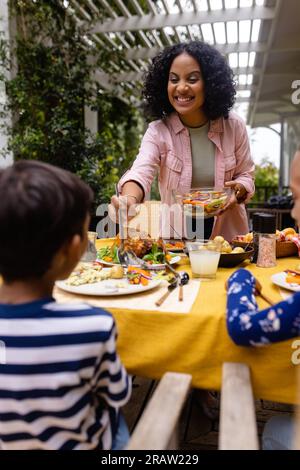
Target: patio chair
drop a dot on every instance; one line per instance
(238, 429)
(157, 428)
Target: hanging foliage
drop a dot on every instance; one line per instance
(56, 61)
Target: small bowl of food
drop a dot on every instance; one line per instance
(203, 202)
(231, 256)
(236, 257)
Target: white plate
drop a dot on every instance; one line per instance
(174, 260)
(109, 287)
(280, 280)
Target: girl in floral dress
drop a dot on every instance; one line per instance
(247, 326)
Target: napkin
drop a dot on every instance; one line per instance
(144, 301)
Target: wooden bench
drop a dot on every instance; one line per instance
(157, 428)
(238, 428)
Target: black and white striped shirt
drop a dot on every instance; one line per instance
(62, 376)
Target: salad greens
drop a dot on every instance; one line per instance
(155, 256)
(108, 254)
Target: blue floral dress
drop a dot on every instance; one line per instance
(247, 326)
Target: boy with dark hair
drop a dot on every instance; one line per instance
(63, 383)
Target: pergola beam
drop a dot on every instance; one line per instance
(145, 53)
(291, 45)
(151, 21)
(108, 81)
(138, 76)
(271, 37)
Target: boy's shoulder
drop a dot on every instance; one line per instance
(81, 310)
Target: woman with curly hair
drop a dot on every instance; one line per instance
(195, 140)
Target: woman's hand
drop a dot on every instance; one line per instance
(124, 206)
(238, 195)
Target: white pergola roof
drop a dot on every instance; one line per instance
(261, 39)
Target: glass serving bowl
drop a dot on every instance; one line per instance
(203, 202)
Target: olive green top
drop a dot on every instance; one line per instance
(203, 156)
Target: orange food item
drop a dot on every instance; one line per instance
(193, 202)
(176, 244)
(289, 231)
(144, 281)
(293, 279)
(137, 276)
(138, 270)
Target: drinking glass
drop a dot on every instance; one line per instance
(204, 260)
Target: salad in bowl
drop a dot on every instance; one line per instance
(203, 202)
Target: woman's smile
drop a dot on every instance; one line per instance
(184, 99)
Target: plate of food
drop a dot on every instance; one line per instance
(203, 202)
(148, 250)
(92, 279)
(175, 246)
(289, 280)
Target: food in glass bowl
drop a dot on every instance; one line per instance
(203, 202)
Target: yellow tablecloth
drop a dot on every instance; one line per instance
(151, 343)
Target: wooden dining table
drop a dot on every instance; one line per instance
(151, 342)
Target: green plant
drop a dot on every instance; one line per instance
(54, 82)
(266, 176)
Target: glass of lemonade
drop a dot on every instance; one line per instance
(204, 260)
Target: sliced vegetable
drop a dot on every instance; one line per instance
(109, 254)
(293, 279)
(137, 278)
(136, 270)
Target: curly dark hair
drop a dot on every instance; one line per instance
(217, 75)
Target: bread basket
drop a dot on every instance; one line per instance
(283, 249)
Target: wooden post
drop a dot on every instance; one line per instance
(7, 25)
(91, 120)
